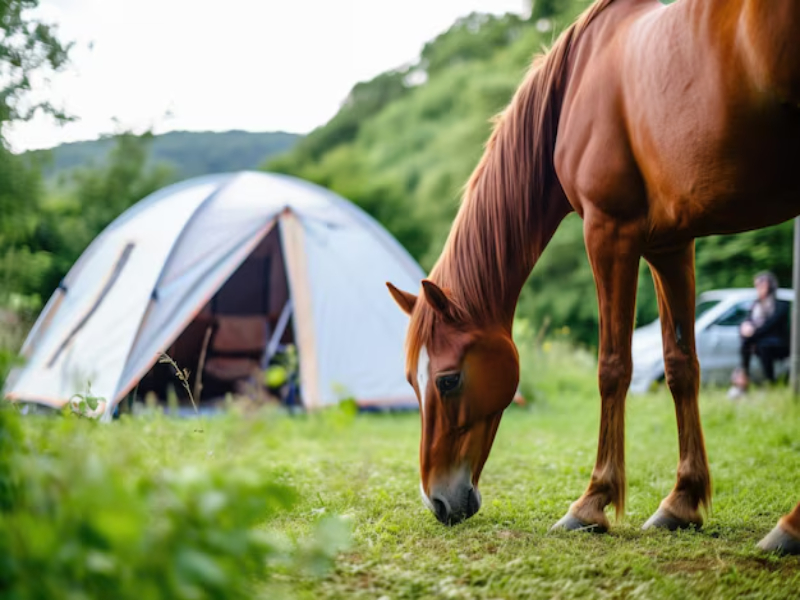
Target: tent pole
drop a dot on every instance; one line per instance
(280, 327)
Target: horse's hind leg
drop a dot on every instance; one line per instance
(785, 538)
(674, 279)
(614, 253)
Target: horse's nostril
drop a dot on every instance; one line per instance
(466, 505)
(440, 510)
(473, 502)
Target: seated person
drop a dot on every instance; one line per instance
(764, 332)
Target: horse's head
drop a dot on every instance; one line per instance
(464, 374)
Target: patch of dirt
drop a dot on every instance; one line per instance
(788, 565)
(507, 534)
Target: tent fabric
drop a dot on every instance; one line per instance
(148, 275)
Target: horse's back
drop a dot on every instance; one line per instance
(594, 157)
(662, 122)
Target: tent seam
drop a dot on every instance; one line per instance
(178, 238)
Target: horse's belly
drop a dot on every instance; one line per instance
(754, 188)
(747, 212)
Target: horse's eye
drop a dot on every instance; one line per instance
(448, 383)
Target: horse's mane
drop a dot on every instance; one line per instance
(504, 198)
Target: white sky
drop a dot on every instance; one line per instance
(257, 65)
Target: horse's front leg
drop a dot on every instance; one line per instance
(674, 278)
(614, 251)
(785, 538)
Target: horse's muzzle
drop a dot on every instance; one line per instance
(454, 510)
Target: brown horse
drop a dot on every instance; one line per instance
(657, 125)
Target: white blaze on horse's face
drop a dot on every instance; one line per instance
(423, 374)
(425, 500)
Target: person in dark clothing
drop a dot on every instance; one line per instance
(765, 331)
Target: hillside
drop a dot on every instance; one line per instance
(403, 150)
(405, 143)
(187, 153)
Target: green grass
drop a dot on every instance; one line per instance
(364, 469)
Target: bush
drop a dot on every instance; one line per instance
(75, 523)
(551, 365)
(7, 360)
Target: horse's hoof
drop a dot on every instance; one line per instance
(780, 541)
(572, 523)
(661, 519)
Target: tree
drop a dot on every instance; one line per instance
(547, 9)
(475, 37)
(28, 49)
(95, 196)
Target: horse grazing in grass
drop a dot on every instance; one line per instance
(657, 125)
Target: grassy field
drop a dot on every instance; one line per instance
(362, 469)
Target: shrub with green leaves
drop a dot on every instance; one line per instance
(551, 365)
(79, 522)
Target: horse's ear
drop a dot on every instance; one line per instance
(404, 300)
(437, 299)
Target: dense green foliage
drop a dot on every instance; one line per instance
(29, 50)
(144, 510)
(405, 143)
(187, 153)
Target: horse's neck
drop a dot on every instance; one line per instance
(514, 202)
(509, 263)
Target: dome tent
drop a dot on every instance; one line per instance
(261, 257)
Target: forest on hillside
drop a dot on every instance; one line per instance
(402, 146)
(187, 153)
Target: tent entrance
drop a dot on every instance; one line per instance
(234, 329)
